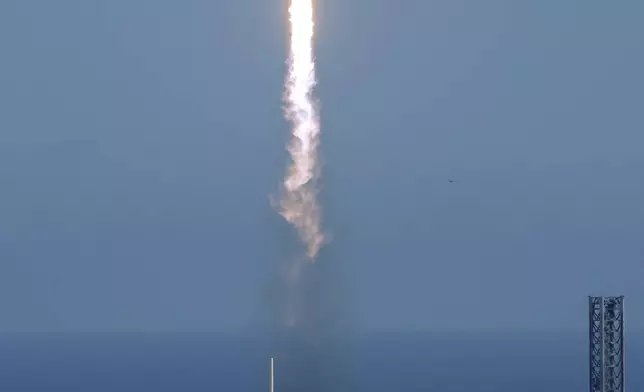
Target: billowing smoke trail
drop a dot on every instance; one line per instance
(299, 203)
(309, 315)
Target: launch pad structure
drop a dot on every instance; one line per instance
(606, 346)
(606, 350)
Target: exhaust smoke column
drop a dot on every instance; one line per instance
(298, 203)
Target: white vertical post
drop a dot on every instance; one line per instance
(272, 379)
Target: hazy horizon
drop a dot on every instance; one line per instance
(197, 364)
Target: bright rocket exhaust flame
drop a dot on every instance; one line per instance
(299, 204)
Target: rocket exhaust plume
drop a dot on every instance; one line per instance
(298, 203)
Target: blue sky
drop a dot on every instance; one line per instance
(140, 140)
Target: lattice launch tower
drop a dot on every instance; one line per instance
(606, 324)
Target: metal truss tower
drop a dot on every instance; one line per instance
(606, 324)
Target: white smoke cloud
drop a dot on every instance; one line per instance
(298, 204)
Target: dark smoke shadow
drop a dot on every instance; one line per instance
(306, 321)
(314, 352)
